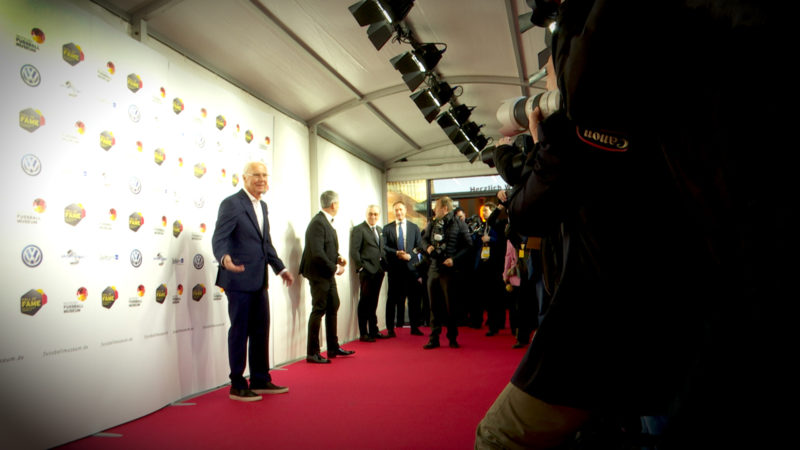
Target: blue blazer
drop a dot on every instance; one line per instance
(237, 234)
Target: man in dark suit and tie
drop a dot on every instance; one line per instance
(320, 263)
(366, 252)
(400, 238)
(243, 247)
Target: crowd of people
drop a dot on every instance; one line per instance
(450, 274)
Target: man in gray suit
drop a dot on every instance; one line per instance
(366, 252)
(320, 263)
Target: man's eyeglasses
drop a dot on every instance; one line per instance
(257, 175)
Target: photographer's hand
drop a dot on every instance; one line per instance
(502, 195)
(534, 118)
(448, 262)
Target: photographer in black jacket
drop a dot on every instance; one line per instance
(447, 242)
(665, 213)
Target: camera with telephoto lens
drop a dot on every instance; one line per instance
(514, 169)
(513, 113)
(474, 224)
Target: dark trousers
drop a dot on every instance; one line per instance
(249, 315)
(402, 285)
(324, 302)
(440, 288)
(368, 302)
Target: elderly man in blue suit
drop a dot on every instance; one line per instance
(243, 247)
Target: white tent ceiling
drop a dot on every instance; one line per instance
(311, 60)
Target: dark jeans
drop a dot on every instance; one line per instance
(324, 302)
(249, 314)
(368, 302)
(440, 287)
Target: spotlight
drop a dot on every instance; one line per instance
(430, 100)
(469, 150)
(451, 120)
(416, 64)
(382, 16)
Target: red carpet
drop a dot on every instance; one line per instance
(391, 394)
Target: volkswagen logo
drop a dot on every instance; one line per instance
(31, 255)
(198, 261)
(30, 75)
(135, 185)
(136, 258)
(134, 114)
(31, 165)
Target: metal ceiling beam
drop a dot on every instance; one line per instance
(513, 27)
(152, 9)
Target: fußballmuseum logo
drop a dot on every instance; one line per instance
(198, 291)
(32, 255)
(31, 165)
(72, 53)
(31, 119)
(109, 296)
(32, 301)
(30, 75)
(221, 122)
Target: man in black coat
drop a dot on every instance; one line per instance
(243, 247)
(366, 252)
(319, 263)
(401, 237)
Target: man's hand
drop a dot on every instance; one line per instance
(533, 121)
(448, 262)
(227, 263)
(339, 269)
(429, 249)
(404, 255)
(288, 279)
(485, 239)
(341, 262)
(502, 195)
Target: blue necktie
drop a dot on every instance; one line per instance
(401, 245)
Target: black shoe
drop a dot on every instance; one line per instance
(431, 344)
(243, 395)
(365, 338)
(380, 336)
(391, 334)
(491, 333)
(518, 344)
(415, 331)
(317, 359)
(268, 388)
(339, 352)
(454, 344)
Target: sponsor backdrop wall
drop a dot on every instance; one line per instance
(117, 155)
